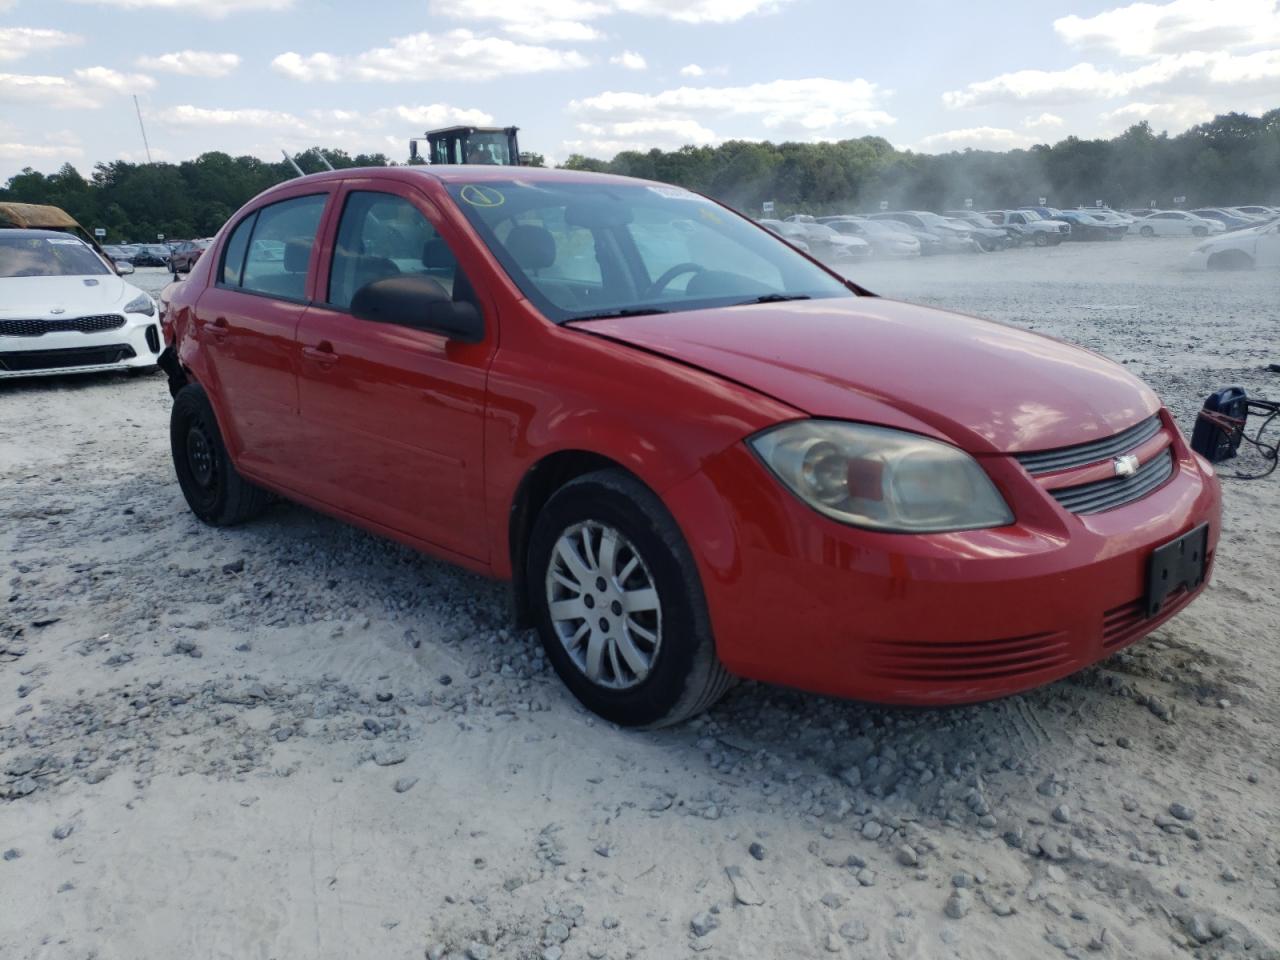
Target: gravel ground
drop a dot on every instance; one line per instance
(293, 739)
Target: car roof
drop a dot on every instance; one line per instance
(29, 232)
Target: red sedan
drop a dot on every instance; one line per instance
(697, 452)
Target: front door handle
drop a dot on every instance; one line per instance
(322, 353)
(218, 330)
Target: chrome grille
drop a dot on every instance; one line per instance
(1064, 458)
(36, 328)
(1116, 491)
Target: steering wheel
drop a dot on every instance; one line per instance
(664, 281)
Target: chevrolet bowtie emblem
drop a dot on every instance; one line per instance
(1126, 466)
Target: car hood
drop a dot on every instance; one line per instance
(986, 387)
(72, 296)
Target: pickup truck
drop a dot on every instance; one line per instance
(1041, 232)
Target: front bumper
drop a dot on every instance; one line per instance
(800, 600)
(136, 344)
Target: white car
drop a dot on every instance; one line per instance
(63, 309)
(1240, 250)
(1175, 223)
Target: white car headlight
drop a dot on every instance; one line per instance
(884, 479)
(141, 304)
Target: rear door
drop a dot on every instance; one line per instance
(247, 321)
(393, 417)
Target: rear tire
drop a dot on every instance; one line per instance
(1147, 231)
(650, 611)
(214, 490)
(1199, 231)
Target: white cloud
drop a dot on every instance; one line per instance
(1044, 120)
(812, 106)
(699, 11)
(458, 54)
(692, 70)
(1152, 29)
(568, 20)
(113, 80)
(974, 138)
(187, 115)
(33, 151)
(18, 42)
(1178, 114)
(536, 20)
(192, 63)
(215, 10)
(608, 139)
(629, 60)
(58, 93)
(426, 116)
(1184, 71)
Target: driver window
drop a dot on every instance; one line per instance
(382, 235)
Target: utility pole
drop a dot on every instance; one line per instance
(146, 146)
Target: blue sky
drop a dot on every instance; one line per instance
(598, 76)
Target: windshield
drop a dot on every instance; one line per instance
(586, 249)
(48, 257)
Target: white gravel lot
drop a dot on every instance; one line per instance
(292, 739)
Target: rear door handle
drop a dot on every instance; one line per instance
(322, 353)
(218, 330)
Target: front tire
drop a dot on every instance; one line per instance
(214, 489)
(619, 605)
(1231, 260)
(1042, 239)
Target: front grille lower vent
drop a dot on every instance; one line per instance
(1117, 491)
(36, 328)
(18, 361)
(1082, 454)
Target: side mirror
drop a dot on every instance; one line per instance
(420, 303)
(123, 267)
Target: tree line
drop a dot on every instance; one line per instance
(1232, 159)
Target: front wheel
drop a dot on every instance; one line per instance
(1147, 231)
(214, 489)
(1042, 239)
(1199, 231)
(619, 604)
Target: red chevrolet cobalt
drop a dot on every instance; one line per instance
(696, 452)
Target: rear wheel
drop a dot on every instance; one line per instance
(1200, 231)
(619, 604)
(215, 491)
(1147, 231)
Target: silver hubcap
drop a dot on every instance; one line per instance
(604, 605)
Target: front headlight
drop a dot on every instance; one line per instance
(141, 304)
(880, 478)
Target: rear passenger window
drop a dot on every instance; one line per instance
(233, 258)
(280, 247)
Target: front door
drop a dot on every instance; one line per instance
(393, 417)
(247, 321)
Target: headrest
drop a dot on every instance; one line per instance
(297, 254)
(533, 248)
(436, 254)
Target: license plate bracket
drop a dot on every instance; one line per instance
(1178, 563)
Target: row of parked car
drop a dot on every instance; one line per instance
(178, 256)
(911, 233)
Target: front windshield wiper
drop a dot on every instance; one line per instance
(774, 298)
(623, 312)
